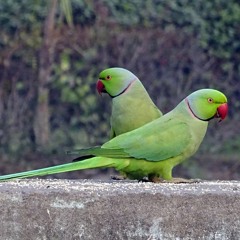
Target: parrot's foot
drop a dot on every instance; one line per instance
(144, 180)
(155, 179)
(182, 180)
(118, 178)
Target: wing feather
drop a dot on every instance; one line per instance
(159, 140)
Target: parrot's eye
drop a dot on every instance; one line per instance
(108, 77)
(210, 100)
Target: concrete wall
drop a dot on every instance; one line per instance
(63, 209)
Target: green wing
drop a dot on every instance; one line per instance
(156, 141)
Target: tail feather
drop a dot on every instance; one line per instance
(98, 151)
(82, 158)
(84, 152)
(96, 162)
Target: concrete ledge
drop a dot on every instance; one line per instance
(64, 209)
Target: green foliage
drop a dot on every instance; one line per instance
(215, 22)
(83, 12)
(174, 47)
(219, 29)
(19, 16)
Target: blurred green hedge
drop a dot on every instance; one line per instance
(174, 47)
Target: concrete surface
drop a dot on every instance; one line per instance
(72, 209)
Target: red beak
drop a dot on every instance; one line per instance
(100, 87)
(222, 111)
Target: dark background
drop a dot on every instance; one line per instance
(51, 53)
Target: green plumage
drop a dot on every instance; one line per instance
(132, 107)
(155, 148)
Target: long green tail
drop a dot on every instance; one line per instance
(96, 162)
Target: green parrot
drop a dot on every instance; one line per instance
(131, 105)
(153, 149)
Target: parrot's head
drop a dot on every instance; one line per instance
(114, 81)
(206, 104)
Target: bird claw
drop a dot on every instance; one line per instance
(118, 178)
(182, 180)
(144, 180)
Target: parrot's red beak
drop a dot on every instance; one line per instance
(100, 87)
(222, 111)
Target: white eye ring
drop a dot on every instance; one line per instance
(108, 77)
(210, 100)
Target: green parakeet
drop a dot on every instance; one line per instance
(155, 148)
(131, 105)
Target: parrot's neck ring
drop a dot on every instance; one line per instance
(189, 107)
(124, 90)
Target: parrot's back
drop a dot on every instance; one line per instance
(132, 110)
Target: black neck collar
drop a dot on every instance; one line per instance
(124, 90)
(205, 120)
